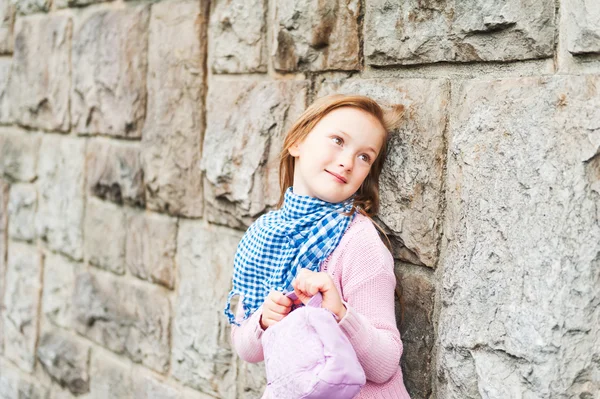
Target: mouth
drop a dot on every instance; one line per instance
(341, 179)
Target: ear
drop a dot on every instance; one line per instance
(294, 150)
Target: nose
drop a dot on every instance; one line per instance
(346, 161)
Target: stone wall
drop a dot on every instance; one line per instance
(138, 140)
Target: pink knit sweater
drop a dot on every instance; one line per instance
(362, 269)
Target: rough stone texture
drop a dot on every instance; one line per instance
(416, 330)
(4, 191)
(18, 154)
(21, 299)
(76, 3)
(66, 360)
(7, 20)
(251, 380)
(583, 26)
(110, 378)
(202, 356)
(39, 91)
(5, 65)
(105, 235)
(59, 219)
(115, 172)
(59, 284)
(17, 385)
(125, 318)
(242, 146)
(24, 7)
(173, 129)
(58, 392)
(238, 36)
(411, 181)
(520, 313)
(315, 37)
(146, 386)
(22, 202)
(511, 224)
(109, 72)
(419, 32)
(150, 247)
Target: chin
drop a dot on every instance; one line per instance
(333, 198)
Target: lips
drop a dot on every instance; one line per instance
(342, 179)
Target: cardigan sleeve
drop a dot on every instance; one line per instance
(245, 338)
(368, 285)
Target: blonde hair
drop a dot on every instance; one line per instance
(366, 200)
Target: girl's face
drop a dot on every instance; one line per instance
(336, 156)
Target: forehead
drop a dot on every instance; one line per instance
(358, 124)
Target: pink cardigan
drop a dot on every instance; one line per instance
(362, 269)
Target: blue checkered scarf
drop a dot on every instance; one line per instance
(301, 234)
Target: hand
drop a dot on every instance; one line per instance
(275, 308)
(308, 283)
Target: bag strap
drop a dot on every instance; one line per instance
(315, 301)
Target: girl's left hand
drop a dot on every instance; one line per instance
(307, 283)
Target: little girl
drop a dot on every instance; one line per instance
(322, 238)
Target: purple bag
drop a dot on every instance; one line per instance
(307, 355)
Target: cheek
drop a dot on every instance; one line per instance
(363, 175)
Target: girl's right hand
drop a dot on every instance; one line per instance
(275, 308)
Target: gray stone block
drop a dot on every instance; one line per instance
(24, 7)
(146, 387)
(22, 203)
(172, 136)
(59, 220)
(316, 37)
(4, 190)
(150, 247)
(247, 122)
(109, 61)
(21, 301)
(18, 154)
(110, 378)
(521, 254)
(7, 20)
(59, 285)
(201, 355)
(115, 172)
(583, 26)
(5, 65)
(16, 384)
(421, 32)
(239, 34)
(416, 330)
(39, 91)
(251, 379)
(66, 360)
(126, 318)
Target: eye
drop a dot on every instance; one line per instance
(366, 158)
(337, 140)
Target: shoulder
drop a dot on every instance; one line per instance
(363, 234)
(363, 253)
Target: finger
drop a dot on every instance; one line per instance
(301, 285)
(278, 309)
(276, 316)
(281, 299)
(302, 296)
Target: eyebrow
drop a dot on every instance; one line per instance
(347, 135)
